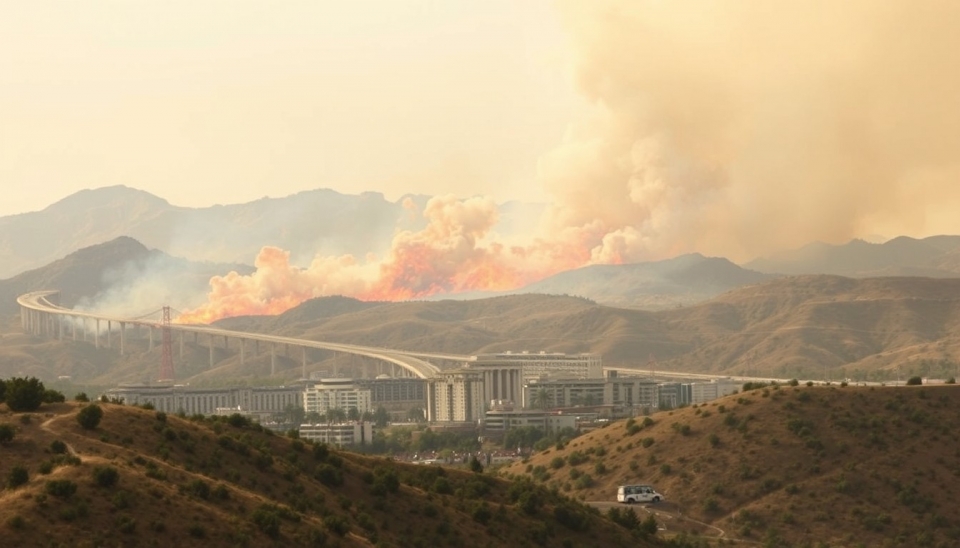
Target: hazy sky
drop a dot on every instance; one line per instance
(229, 101)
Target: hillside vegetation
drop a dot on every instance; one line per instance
(783, 465)
(142, 478)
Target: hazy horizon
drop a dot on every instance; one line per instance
(649, 129)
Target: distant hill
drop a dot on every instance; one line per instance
(803, 327)
(786, 466)
(935, 256)
(306, 223)
(684, 280)
(120, 275)
(144, 478)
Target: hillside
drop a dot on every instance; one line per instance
(121, 275)
(683, 280)
(933, 256)
(787, 466)
(178, 482)
(793, 327)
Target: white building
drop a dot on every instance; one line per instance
(347, 433)
(504, 419)
(455, 396)
(256, 402)
(627, 392)
(701, 392)
(505, 373)
(336, 394)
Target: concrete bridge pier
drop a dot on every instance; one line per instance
(123, 336)
(73, 327)
(241, 352)
(96, 334)
(303, 372)
(273, 359)
(110, 334)
(181, 345)
(150, 333)
(211, 351)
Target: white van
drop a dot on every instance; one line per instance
(637, 493)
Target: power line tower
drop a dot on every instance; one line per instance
(166, 355)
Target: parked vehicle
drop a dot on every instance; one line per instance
(630, 494)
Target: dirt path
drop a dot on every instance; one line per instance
(669, 515)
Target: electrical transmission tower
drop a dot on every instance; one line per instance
(166, 355)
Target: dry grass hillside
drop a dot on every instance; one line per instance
(797, 327)
(142, 478)
(786, 466)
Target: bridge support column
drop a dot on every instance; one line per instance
(123, 336)
(109, 334)
(256, 348)
(96, 334)
(273, 359)
(73, 327)
(226, 345)
(241, 352)
(211, 351)
(181, 345)
(150, 334)
(59, 327)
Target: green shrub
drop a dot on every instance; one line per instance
(24, 394)
(60, 488)
(105, 476)
(89, 417)
(7, 433)
(914, 381)
(557, 463)
(17, 476)
(81, 397)
(57, 447)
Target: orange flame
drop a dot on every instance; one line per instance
(452, 254)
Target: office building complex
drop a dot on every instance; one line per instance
(336, 394)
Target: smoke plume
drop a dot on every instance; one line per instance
(737, 128)
(729, 128)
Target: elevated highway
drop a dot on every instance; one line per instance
(40, 315)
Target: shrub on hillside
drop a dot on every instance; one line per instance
(53, 396)
(105, 476)
(89, 417)
(7, 433)
(81, 397)
(60, 488)
(914, 381)
(18, 476)
(57, 447)
(24, 394)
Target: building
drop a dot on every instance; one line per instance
(347, 433)
(398, 395)
(705, 391)
(499, 420)
(255, 402)
(455, 396)
(622, 392)
(504, 374)
(336, 394)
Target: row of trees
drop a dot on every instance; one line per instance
(26, 394)
(543, 399)
(293, 414)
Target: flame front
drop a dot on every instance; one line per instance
(454, 253)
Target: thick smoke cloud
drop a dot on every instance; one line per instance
(729, 128)
(737, 128)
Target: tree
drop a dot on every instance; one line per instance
(3, 390)
(24, 394)
(7, 433)
(81, 396)
(475, 465)
(313, 417)
(353, 413)
(541, 398)
(53, 396)
(336, 415)
(914, 381)
(415, 414)
(381, 417)
(293, 414)
(89, 417)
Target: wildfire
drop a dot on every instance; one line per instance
(454, 253)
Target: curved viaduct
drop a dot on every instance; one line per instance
(40, 316)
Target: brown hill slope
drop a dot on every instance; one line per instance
(789, 466)
(206, 483)
(798, 327)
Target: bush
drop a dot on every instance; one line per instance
(89, 417)
(7, 433)
(60, 488)
(105, 476)
(18, 476)
(914, 381)
(58, 447)
(475, 465)
(24, 394)
(267, 521)
(81, 397)
(53, 396)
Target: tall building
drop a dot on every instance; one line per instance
(347, 433)
(398, 395)
(628, 392)
(336, 394)
(505, 373)
(455, 396)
